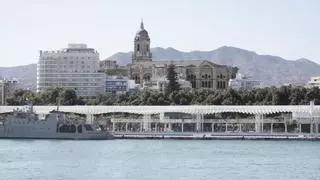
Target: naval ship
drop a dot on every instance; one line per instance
(24, 123)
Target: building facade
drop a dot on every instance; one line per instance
(76, 67)
(7, 88)
(314, 82)
(243, 82)
(118, 84)
(108, 64)
(200, 73)
(160, 83)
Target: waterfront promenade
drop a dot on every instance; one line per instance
(199, 121)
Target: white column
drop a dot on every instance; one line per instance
(240, 127)
(258, 122)
(271, 128)
(161, 116)
(170, 126)
(317, 128)
(155, 127)
(198, 122)
(285, 127)
(89, 118)
(113, 126)
(300, 130)
(126, 127)
(226, 127)
(212, 127)
(146, 122)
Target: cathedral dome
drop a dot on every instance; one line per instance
(142, 34)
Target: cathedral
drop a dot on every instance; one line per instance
(200, 73)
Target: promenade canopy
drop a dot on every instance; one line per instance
(193, 109)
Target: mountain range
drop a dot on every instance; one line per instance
(272, 70)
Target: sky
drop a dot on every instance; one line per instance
(285, 28)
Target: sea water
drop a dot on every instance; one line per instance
(159, 159)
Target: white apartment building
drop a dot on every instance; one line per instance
(243, 82)
(314, 82)
(75, 67)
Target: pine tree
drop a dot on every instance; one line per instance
(172, 77)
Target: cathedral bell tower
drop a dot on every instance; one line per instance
(141, 51)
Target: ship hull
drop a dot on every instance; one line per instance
(4, 134)
(61, 137)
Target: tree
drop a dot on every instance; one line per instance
(69, 97)
(20, 97)
(172, 78)
(231, 97)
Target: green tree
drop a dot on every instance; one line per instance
(69, 97)
(172, 78)
(20, 97)
(297, 96)
(231, 97)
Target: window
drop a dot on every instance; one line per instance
(138, 47)
(193, 83)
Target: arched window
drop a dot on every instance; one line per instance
(138, 47)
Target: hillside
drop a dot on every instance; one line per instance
(27, 75)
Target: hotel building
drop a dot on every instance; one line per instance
(75, 67)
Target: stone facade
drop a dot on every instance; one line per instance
(108, 64)
(200, 73)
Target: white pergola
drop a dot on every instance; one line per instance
(192, 109)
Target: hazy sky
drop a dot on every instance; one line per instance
(286, 28)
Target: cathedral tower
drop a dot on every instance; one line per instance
(141, 51)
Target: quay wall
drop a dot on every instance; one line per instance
(216, 136)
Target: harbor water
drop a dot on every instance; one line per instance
(158, 159)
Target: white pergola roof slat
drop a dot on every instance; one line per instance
(193, 109)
